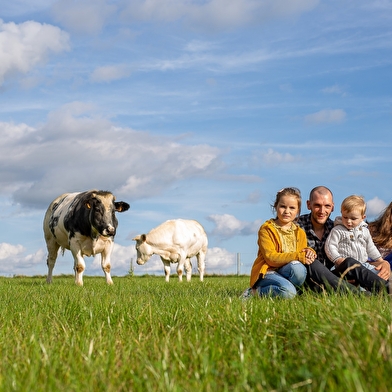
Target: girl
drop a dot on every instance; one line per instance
(279, 266)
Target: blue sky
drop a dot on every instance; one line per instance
(189, 109)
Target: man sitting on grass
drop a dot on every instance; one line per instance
(317, 225)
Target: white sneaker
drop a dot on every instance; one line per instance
(248, 293)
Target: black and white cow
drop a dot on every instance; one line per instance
(85, 223)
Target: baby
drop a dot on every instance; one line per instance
(350, 236)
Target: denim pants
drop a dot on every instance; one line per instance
(282, 282)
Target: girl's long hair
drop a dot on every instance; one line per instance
(381, 229)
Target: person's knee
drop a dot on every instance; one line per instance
(298, 275)
(287, 292)
(349, 262)
(347, 266)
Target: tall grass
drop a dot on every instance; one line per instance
(144, 334)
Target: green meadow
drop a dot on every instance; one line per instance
(144, 334)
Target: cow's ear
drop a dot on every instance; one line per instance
(140, 237)
(121, 206)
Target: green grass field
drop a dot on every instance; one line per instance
(143, 334)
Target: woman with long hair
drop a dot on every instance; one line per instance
(381, 231)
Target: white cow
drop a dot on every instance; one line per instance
(175, 241)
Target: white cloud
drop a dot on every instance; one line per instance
(272, 157)
(109, 73)
(86, 16)
(11, 132)
(77, 149)
(120, 260)
(7, 251)
(90, 16)
(199, 46)
(375, 206)
(26, 45)
(15, 261)
(215, 14)
(326, 116)
(227, 226)
(153, 266)
(220, 261)
(335, 89)
(253, 197)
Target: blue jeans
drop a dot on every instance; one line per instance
(282, 282)
(388, 258)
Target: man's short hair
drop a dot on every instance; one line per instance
(323, 190)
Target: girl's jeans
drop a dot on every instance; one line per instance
(282, 282)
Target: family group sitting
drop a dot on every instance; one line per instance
(312, 250)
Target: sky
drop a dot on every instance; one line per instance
(194, 109)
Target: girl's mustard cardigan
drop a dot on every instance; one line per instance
(270, 255)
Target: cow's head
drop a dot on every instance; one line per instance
(143, 249)
(102, 207)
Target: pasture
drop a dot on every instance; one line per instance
(144, 334)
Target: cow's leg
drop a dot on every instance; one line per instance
(188, 269)
(166, 267)
(105, 263)
(201, 256)
(79, 267)
(53, 249)
(180, 269)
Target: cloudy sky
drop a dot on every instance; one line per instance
(198, 109)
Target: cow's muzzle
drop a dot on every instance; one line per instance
(110, 231)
